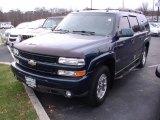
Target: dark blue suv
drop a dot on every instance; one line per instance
(85, 53)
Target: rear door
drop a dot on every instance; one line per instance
(139, 36)
(137, 40)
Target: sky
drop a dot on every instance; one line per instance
(28, 5)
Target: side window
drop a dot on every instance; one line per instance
(134, 23)
(124, 23)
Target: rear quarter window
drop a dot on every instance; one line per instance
(143, 22)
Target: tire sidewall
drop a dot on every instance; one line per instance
(94, 100)
(141, 65)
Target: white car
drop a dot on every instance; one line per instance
(48, 25)
(35, 28)
(154, 29)
(6, 26)
(17, 28)
(15, 35)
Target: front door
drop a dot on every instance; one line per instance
(124, 47)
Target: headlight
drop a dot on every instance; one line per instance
(15, 52)
(71, 61)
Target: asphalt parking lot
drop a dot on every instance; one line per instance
(134, 97)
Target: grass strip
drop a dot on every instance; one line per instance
(14, 101)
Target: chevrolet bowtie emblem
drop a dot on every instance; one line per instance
(32, 63)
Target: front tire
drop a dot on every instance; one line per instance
(99, 86)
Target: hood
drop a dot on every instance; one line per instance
(19, 31)
(66, 45)
(9, 30)
(39, 31)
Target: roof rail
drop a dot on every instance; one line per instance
(126, 10)
(120, 9)
(91, 9)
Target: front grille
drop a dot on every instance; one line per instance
(12, 39)
(13, 35)
(37, 57)
(34, 71)
(44, 63)
(24, 37)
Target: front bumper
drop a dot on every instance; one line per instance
(55, 85)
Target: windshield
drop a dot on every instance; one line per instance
(50, 22)
(94, 23)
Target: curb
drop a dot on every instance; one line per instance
(1, 41)
(37, 105)
(5, 63)
(42, 115)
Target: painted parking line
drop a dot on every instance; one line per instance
(153, 66)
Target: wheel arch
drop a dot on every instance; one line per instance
(106, 60)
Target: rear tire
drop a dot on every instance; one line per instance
(143, 58)
(99, 86)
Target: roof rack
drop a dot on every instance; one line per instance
(126, 10)
(120, 9)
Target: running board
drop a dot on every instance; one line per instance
(127, 71)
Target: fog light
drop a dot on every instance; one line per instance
(71, 73)
(68, 94)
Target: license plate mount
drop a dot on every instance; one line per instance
(30, 82)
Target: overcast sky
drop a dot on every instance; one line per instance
(26, 5)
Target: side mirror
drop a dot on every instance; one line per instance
(158, 71)
(127, 32)
(53, 27)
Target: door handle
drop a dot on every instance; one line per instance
(132, 40)
(120, 45)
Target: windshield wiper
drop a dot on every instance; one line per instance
(61, 31)
(84, 32)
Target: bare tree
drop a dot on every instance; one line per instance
(17, 16)
(144, 8)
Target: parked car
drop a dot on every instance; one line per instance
(6, 26)
(16, 34)
(155, 30)
(17, 28)
(155, 23)
(36, 28)
(84, 54)
(158, 71)
(48, 25)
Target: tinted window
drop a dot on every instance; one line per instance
(134, 24)
(99, 23)
(124, 23)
